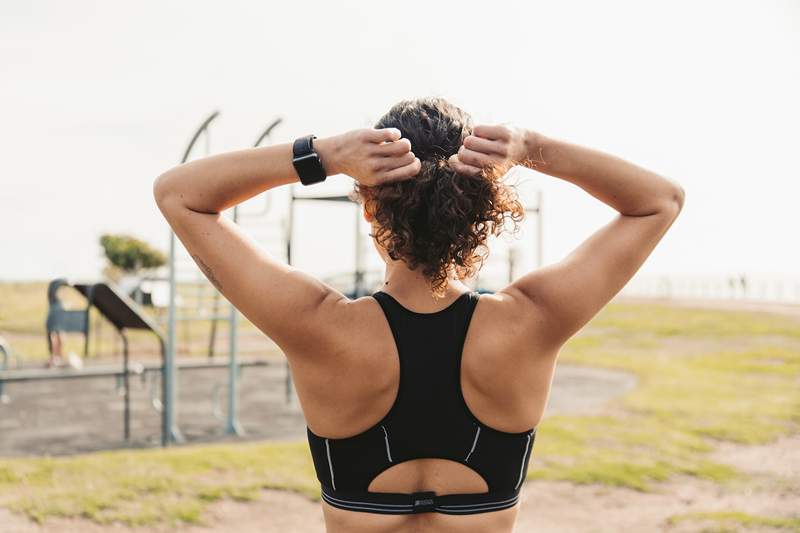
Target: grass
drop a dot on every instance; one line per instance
(704, 376)
(141, 487)
(677, 321)
(721, 521)
(735, 382)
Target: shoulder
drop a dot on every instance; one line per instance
(510, 319)
(341, 327)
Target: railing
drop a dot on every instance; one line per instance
(745, 287)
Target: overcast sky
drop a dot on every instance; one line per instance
(99, 98)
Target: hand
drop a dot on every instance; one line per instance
(369, 156)
(490, 146)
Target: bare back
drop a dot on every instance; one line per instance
(504, 382)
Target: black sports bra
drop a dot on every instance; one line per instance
(429, 419)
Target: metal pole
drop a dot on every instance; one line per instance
(212, 338)
(169, 431)
(232, 425)
(289, 224)
(86, 330)
(359, 281)
(126, 381)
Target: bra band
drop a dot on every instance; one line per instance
(420, 502)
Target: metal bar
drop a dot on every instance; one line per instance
(170, 431)
(127, 384)
(90, 302)
(267, 131)
(197, 134)
(232, 425)
(195, 318)
(5, 351)
(44, 374)
(168, 379)
(359, 274)
(289, 228)
(261, 138)
(212, 337)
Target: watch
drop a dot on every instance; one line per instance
(307, 162)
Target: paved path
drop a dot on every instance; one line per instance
(82, 415)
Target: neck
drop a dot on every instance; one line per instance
(412, 286)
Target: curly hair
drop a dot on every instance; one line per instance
(439, 220)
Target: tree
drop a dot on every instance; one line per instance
(130, 254)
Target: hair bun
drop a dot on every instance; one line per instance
(440, 220)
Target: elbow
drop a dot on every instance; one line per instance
(674, 199)
(678, 196)
(158, 190)
(162, 191)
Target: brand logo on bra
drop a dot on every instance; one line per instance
(423, 502)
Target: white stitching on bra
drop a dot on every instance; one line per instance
(386, 439)
(474, 442)
(367, 503)
(462, 508)
(330, 464)
(479, 504)
(369, 508)
(487, 508)
(522, 466)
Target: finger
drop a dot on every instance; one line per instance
(391, 163)
(383, 135)
(392, 148)
(402, 173)
(476, 159)
(478, 144)
(461, 168)
(491, 132)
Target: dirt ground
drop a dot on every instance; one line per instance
(546, 507)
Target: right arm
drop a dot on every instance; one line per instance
(566, 295)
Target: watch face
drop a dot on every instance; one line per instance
(309, 168)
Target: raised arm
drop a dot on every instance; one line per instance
(566, 295)
(292, 307)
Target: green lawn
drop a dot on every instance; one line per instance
(721, 522)
(704, 376)
(139, 487)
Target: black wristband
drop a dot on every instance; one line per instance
(307, 162)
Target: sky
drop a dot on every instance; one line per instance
(99, 98)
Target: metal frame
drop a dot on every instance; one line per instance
(44, 374)
(232, 426)
(170, 431)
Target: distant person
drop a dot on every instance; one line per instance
(56, 358)
(406, 432)
(54, 326)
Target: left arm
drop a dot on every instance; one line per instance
(279, 299)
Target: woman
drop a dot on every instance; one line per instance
(421, 399)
